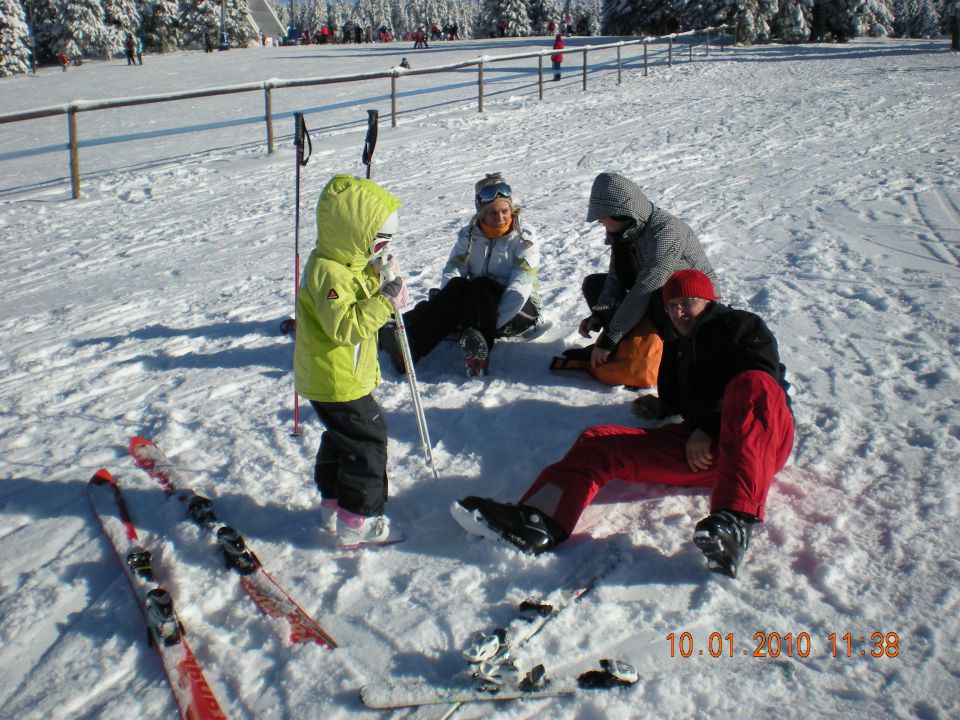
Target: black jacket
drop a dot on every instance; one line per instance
(694, 371)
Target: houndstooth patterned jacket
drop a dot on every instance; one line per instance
(658, 243)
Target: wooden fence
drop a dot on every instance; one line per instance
(394, 74)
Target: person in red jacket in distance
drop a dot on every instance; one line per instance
(557, 58)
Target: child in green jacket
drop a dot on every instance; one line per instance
(347, 293)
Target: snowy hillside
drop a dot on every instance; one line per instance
(824, 183)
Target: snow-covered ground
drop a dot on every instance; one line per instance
(824, 183)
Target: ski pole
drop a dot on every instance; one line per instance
(300, 136)
(369, 145)
(414, 391)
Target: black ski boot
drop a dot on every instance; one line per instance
(476, 353)
(524, 526)
(723, 537)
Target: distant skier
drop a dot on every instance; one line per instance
(347, 292)
(723, 376)
(489, 287)
(130, 48)
(557, 58)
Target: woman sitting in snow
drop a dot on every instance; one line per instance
(489, 285)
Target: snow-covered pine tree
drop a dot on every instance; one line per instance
(915, 18)
(845, 19)
(513, 14)
(199, 19)
(86, 27)
(14, 39)
(753, 18)
(121, 17)
(46, 22)
(588, 14)
(874, 18)
(793, 20)
(237, 23)
(621, 17)
(336, 14)
(378, 16)
(160, 24)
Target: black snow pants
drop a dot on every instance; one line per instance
(351, 465)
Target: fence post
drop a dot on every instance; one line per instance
(644, 58)
(540, 74)
(691, 48)
(480, 87)
(723, 32)
(74, 151)
(393, 100)
(268, 115)
(670, 54)
(584, 70)
(619, 73)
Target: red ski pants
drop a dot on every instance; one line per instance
(756, 436)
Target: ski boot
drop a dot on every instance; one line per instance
(524, 526)
(723, 537)
(476, 353)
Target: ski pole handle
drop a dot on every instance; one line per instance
(370, 143)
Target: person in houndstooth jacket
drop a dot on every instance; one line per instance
(647, 246)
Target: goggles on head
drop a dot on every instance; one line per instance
(489, 193)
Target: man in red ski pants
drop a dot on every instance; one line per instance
(722, 375)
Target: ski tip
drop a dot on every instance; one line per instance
(138, 442)
(102, 477)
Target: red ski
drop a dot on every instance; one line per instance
(194, 697)
(269, 596)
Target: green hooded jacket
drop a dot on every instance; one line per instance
(339, 306)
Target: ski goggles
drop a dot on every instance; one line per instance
(489, 193)
(380, 241)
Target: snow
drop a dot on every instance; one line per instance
(823, 183)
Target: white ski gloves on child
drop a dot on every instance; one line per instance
(391, 283)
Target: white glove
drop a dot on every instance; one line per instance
(392, 286)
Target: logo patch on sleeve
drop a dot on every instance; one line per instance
(332, 295)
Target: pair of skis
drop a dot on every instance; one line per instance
(269, 596)
(494, 675)
(165, 632)
(194, 697)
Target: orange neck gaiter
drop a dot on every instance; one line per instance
(492, 232)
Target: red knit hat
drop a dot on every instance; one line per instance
(688, 283)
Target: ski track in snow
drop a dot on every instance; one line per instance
(823, 182)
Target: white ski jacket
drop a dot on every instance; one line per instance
(512, 260)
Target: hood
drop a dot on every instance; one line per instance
(614, 195)
(350, 212)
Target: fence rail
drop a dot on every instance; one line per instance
(71, 109)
